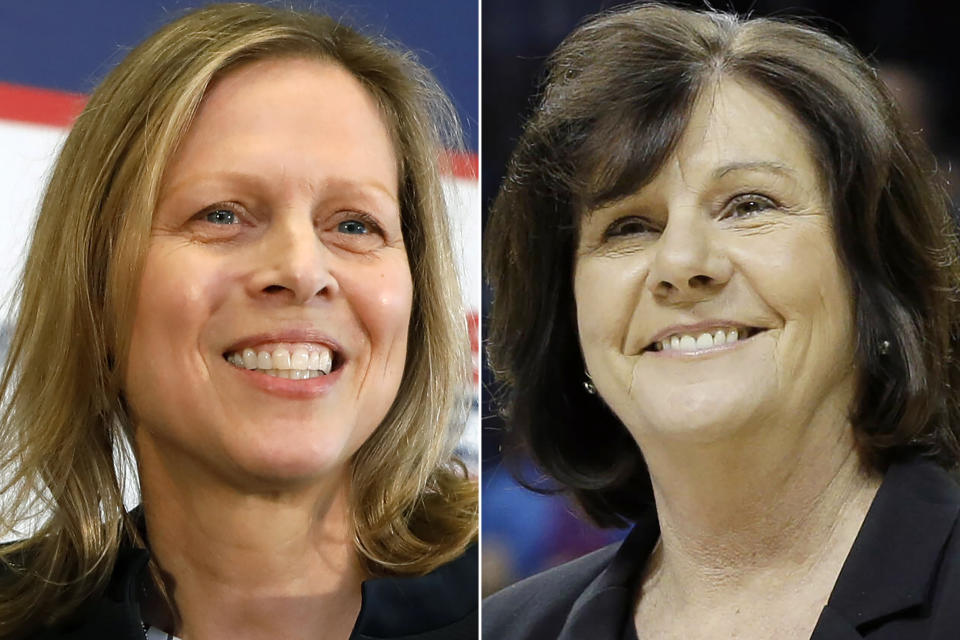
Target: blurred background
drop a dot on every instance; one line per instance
(54, 52)
(913, 45)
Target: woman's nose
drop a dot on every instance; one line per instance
(294, 264)
(690, 263)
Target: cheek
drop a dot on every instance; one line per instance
(607, 293)
(382, 300)
(805, 282)
(179, 293)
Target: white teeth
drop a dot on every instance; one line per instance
(298, 362)
(281, 359)
(688, 342)
(326, 361)
(294, 374)
(299, 359)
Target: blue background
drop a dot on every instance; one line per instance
(70, 45)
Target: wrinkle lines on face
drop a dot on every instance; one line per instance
(743, 238)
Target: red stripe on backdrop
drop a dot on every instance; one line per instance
(59, 108)
(463, 165)
(39, 106)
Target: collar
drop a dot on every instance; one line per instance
(599, 611)
(115, 613)
(444, 601)
(893, 564)
(401, 607)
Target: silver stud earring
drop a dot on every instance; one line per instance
(884, 347)
(589, 386)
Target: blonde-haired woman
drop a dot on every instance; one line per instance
(241, 269)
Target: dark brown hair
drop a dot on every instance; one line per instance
(617, 96)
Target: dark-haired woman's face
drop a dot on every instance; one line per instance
(712, 301)
(270, 336)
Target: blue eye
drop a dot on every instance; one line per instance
(221, 216)
(352, 227)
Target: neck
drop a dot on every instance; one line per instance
(250, 563)
(742, 517)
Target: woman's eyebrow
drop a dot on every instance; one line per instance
(247, 179)
(626, 202)
(755, 165)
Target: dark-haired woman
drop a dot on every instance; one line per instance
(725, 281)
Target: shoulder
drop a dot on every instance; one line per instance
(109, 611)
(537, 606)
(901, 578)
(440, 604)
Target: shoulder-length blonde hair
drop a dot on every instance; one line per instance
(64, 428)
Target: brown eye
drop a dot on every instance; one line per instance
(628, 227)
(747, 205)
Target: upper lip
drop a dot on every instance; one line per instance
(288, 335)
(705, 326)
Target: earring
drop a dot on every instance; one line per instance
(884, 347)
(589, 386)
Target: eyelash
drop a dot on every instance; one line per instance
(216, 208)
(617, 228)
(765, 203)
(207, 215)
(368, 221)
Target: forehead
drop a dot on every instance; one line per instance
(730, 123)
(737, 125)
(303, 117)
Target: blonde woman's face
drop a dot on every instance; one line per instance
(270, 335)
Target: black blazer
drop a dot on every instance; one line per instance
(901, 580)
(441, 605)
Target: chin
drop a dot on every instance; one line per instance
(696, 430)
(285, 460)
(698, 414)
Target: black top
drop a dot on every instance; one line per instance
(901, 580)
(441, 605)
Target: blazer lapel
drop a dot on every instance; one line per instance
(833, 626)
(598, 612)
(892, 566)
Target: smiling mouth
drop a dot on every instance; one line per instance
(290, 361)
(699, 340)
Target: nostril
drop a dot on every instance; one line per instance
(700, 281)
(274, 288)
(666, 286)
